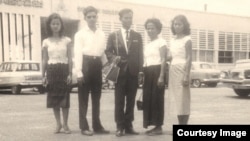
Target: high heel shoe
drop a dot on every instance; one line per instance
(58, 129)
(66, 129)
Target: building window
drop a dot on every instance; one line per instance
(237, 41)
(202, 38)
(222, 40)
(239, 55)
(194, 37)
(225, 57)
(243, 41)
(206, 55)
(230, 41)
(210, 36)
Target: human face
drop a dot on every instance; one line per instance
(152, 30)
(55, 25)
(91, 18)
(126, 20)
(178, 26)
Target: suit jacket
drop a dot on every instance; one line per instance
(131, 61)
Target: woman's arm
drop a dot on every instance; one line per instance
(168, 55)
(45, 59)
(163, 65)
(70, 57)
(188, 48)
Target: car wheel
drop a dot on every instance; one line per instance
(16, 89)
(196, 83)
(41, 89)
(212, 85)
(242, 93)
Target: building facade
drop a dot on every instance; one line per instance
(217, 38)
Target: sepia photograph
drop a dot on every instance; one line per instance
(132, 70)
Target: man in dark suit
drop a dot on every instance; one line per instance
(125, 47)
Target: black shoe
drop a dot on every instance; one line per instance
(156, 131)
(87, 132)
(149, 131)
(131, 131)
(119, 133)
(101, 131)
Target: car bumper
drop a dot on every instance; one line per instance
(31, 83)
(237, 84)
(210, 80)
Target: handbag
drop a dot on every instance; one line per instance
(111, 70)
(139, 103)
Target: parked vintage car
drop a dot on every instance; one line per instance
(21, 74)
(204, 73)
(239, 78)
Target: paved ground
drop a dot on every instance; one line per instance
(25, 117)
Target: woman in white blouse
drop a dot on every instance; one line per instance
(179, 73)
(57, 70)
(154, 74)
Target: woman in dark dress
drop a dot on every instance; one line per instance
(154, 72)
(57, 70)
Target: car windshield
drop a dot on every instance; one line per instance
(205, 66)
(243, 65)
(201, 66)
(11, 67)
(8, 67)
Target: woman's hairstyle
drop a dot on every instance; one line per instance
(89, 9)
(50, 18)
(156, 22)
(183, 19)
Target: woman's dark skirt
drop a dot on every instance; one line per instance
(58, 90)
(153, 97)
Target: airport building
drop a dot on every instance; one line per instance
(217, 38)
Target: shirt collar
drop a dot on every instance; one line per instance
(124, 30)
(86, 28)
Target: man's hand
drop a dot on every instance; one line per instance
(117, 59)
(141, 78)
(80, 80)
(160, 82)
(185, 82)
(45, 81)
(69, 79)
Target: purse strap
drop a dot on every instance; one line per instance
(116, 42)
(140, 97)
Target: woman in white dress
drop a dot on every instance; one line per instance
(57, 70)
(154, 82)
(180, 65)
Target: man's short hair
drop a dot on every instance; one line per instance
(89, 9)
(125, 11)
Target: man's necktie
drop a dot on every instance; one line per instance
(127, 38)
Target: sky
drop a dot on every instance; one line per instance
(230, 7)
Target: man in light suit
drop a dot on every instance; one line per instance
(125, 47)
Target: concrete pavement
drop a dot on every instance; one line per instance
(26, 118)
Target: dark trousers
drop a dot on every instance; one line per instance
(92, 71)
(125, 93)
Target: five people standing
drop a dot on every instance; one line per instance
(137, 65)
